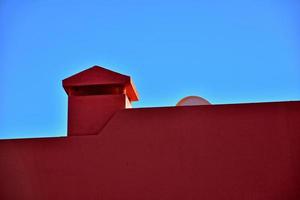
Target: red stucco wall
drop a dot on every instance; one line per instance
(234, 152)
(87, 115)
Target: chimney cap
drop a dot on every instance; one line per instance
(97, 75)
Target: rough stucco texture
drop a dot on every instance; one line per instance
(218, 152)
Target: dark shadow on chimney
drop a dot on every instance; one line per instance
(95, 90)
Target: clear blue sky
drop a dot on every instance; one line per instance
(231, 51)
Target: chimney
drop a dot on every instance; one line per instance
(94, 95)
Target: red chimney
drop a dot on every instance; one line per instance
(94, 95)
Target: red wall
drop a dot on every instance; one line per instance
(87, 115)
(234, 152)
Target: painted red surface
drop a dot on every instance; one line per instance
(94, 95)
(87, 115)
(99, 76)
(210, 152)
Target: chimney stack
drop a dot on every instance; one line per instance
(94, 95)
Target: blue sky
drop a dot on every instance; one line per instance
(232, 51)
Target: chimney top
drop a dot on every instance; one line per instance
(97, 77)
